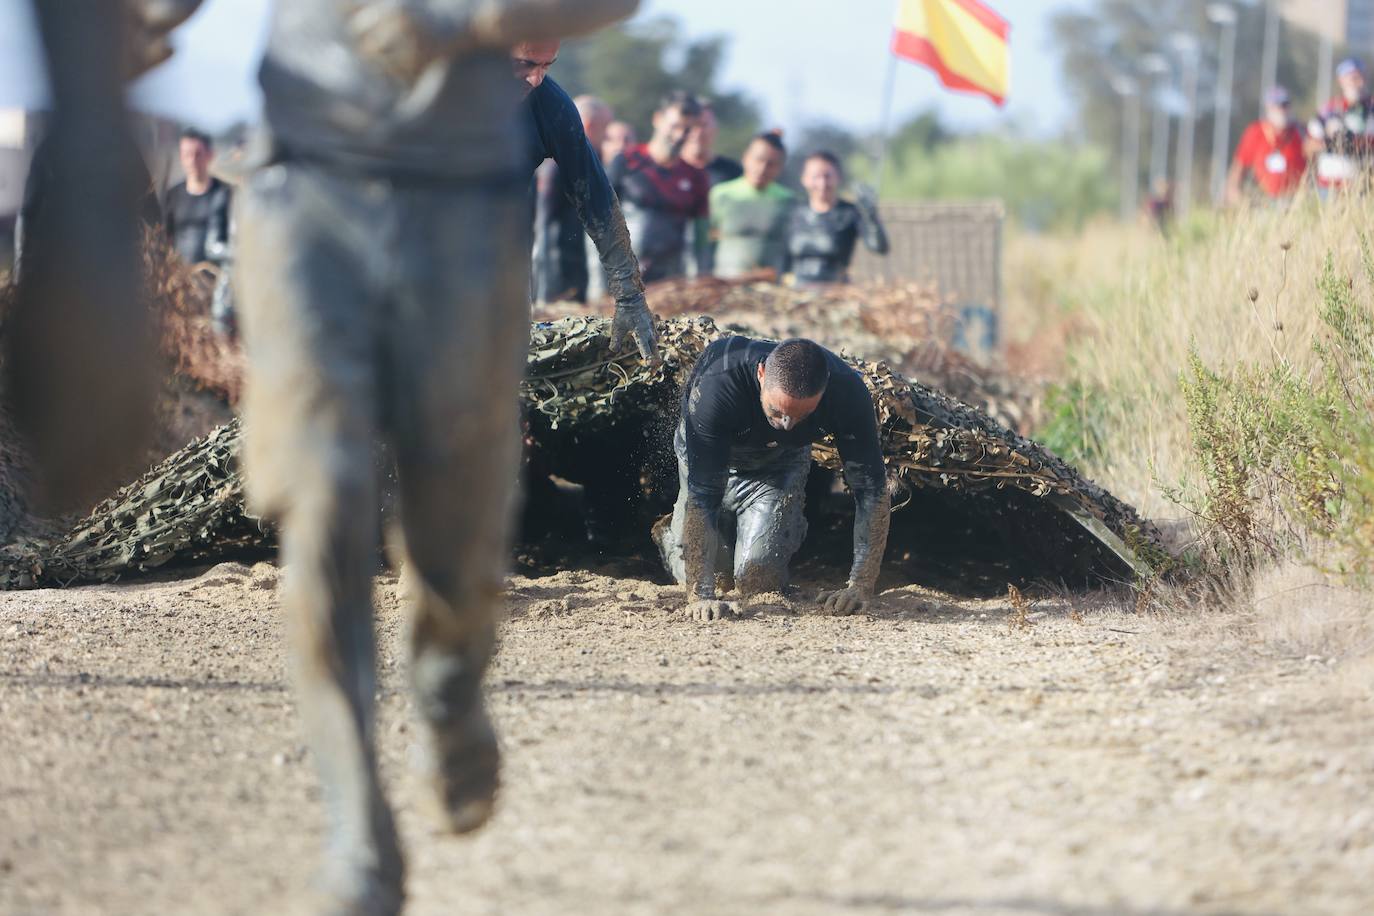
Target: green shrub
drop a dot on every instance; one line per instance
(1287, 454)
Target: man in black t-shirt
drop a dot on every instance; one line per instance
(196, 214)
(197, 220)
(750, 413)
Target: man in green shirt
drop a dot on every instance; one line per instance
(749, 215)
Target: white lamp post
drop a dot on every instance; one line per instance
(1129, 89)
(1157, 66)
(1224, 15)
(1187, 48)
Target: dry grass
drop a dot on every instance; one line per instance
(1305, 612)
(1112, 314)
(1121, 307)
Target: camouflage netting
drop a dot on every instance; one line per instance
(949, 465)
(905, 325)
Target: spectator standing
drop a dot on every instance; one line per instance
(619, 137)
(198, 220)
(700, 150)
(822, 234)
(596, 117)
(1341, 136)
(196, 213)
(1159, 205)
(1271, 151)
(664, 197)
(749, 215)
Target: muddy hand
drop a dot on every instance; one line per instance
(705, 610)
(844, 601)
(632, 319)
(395, 39)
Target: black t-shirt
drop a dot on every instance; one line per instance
(722, 169)
(725, 426)
(193, 219)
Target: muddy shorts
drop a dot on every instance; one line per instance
(383, 313)
(762, 520)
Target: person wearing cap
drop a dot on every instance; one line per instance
(1341, 137)
(1271, 151)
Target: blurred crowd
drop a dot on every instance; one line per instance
(693, 211)
(1278, 154)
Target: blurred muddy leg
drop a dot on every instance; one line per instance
(79, 349)
(460, 335)
(309, 318)
(770, 509)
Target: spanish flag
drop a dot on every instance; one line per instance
(963, 41)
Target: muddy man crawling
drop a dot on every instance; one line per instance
(384, 296)
(750, 412)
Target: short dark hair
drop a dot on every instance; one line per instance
(200, 136)
(773, 138)
(683, 101)
(798, 366)
(826, 156)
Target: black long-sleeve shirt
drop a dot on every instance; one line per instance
(725, 426)
(553, 130)
(821, 245)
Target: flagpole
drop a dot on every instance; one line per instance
(889, 97)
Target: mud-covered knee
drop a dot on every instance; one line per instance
(753, 578)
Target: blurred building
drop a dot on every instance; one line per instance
(1344, 22)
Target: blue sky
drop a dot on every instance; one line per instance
(803, 60)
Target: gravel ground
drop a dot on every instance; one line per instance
(938, 756)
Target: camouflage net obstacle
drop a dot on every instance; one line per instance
(966, 485)
(905, 325)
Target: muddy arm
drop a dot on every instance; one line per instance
(872, 515)
(700, 541)
(870, 224)
(503, 23)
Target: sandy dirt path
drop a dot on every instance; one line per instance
(935, 757)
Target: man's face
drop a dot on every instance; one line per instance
(619, 137)
(195, 158)
(762, 164)
(671, 128)
(820, 179)
(1352, 85)
(781, 409)
(701, 143)
(1276, 114)
(532, 60)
